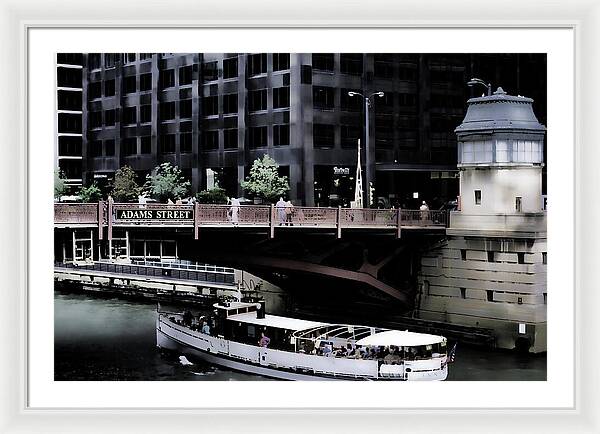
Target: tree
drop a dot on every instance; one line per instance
(60, 187)
(166, 183)
(125, 187)
(264, 180)
(214, 195)
(90, 194)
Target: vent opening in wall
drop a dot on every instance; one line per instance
(463, 292)
(463, 254)
(521, 257)
(544, 258)
(491, 256)
(477, 197)
(490, 295)
(518, 204)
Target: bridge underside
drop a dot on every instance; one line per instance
(359, 271)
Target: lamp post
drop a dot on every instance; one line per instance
(475, 81)
(368, 174)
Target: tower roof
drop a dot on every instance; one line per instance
(499, 111)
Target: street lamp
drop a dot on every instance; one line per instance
(368, 175)
(475, 81)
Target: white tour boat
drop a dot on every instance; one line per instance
(242, 337)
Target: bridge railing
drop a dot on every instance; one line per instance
(129, 214)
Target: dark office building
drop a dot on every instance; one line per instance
(222, 111)
(69, 127)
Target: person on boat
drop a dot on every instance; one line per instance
(264, 340)
(205, 328)
(187, 318)
(280, 206)
(234, 211)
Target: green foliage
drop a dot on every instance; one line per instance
(125, 187)
(60, 188)
(264, 180)
(166, 183)
(90, 194)
(215, 195)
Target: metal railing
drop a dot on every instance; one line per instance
(198, 215)
(220, 275)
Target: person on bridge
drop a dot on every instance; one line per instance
(234, 211)
(280, 206)
(424, 211)
(289, 212)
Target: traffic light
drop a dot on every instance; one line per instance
(371, 194)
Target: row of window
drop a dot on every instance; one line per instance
(501, 151)
(257, 137)
(324, 98)
(112, 59)
(491, 256)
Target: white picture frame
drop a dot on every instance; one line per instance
(18, 18)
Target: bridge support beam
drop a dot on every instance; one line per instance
(398, 223)
(338, 220)
(109, 217)
(100, 215)
(272, 222)
(196, 219)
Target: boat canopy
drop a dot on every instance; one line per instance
(400, 339)
(280, 322)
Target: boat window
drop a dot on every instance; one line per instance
(251, 331)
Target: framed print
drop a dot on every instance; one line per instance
(415, 168)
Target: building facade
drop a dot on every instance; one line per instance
(221, 111)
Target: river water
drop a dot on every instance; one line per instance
(114, 339)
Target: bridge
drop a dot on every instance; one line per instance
(195, 217)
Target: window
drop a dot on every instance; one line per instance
(323, 136)
(129, 57)
(210, 140)
(463, 293)
(96, 148)
(129, 146)
(69, 146)
(145, 56)
(210, 105)
(490, 295)
(210, 71)
(490, 256)
(95, 119)
(258, 137)
(109, 118)
(185, 143)
(281, 97)
(407, 99)
(545, 298)
(185, 108)
(502, 151)
(350, 136)
(129, 85)
(129, 115)
(185, 75)
(385, 103)
(518, 204)
(145, 82)
(281, 61)
(230, 67)
(322, 61)
(527, 151)
(477, 197)
(167, 78)
(94, 90)
(145, 113)
(281, 135)
(146, 145)
(463, 254)
(109, 87)
(94, 61)
(351, 63)
(257, 100)
(230, 137)
(230, 103)
(407, 73)
(351, 103)
(384, 134)
(544, 258)
(257, 64)
(167, 110)
(109, 147)
(69, 100)
(110, 60)
(323, 97)
(71, 122)
(167, 144)
(521, 257)
(68, 77)
(383, 65)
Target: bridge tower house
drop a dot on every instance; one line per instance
(491, 270)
